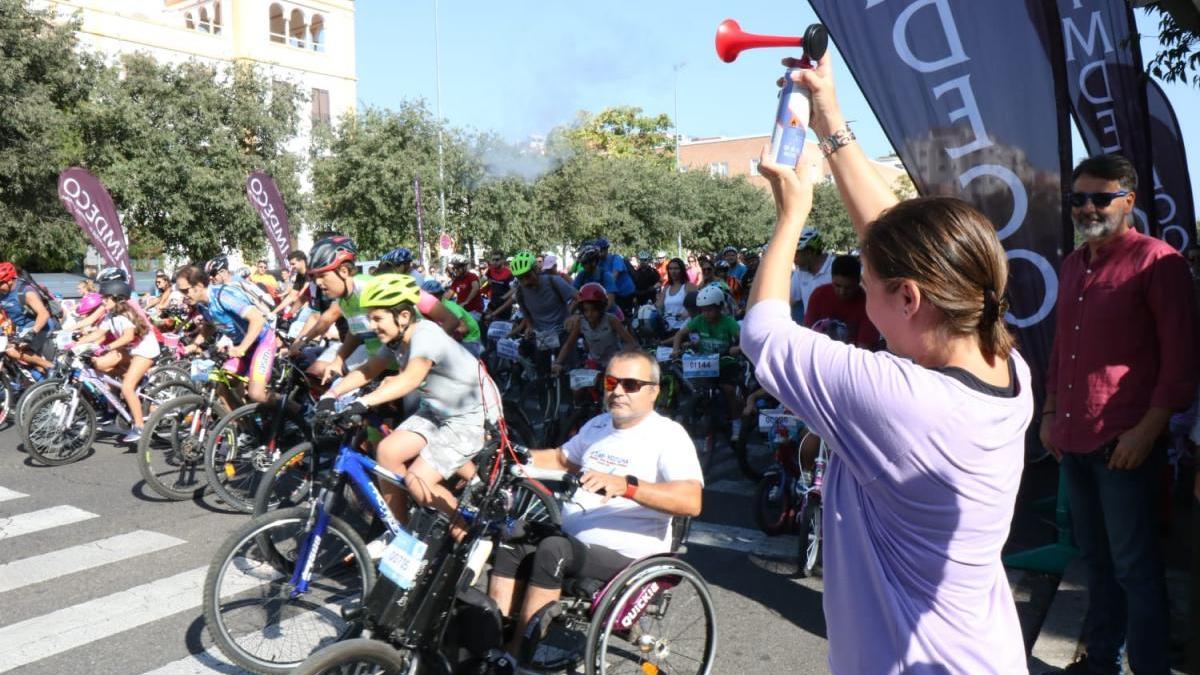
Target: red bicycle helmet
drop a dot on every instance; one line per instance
(330, 252)
(593, 292)
(8, 272)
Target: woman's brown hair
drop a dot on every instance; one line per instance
(140, 327)
(950, 250)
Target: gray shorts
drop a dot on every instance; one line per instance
(447, 445)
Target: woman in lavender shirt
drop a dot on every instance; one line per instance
(927, 440)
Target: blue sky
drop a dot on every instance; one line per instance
(520, 67)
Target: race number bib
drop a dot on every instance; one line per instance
(662, 354)
(509, 348)
(402, 560)
(583, 378)
(499, 330)
(696, 366)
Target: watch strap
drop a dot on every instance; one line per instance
(631, 486)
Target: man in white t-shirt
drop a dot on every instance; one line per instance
(638, 470)
(814, 267)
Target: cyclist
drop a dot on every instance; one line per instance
(499, 278)
(589, 258)
(660, 265)
(447, 428)
(614, 264)
(814, 268)
(127, 343)
(302, 289)
(464, 284)
(29, 315)
(227, 309)
(730, 284)
(717, 333)
(736, 269)
(672, 295)
(545, 301)
(218, 273)
(399, 261)
(602, 333)
(468, 329)
(163, 295)
(645, 280)
(639, 469)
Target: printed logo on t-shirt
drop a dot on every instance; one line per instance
(600, 460)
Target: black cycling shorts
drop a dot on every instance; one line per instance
(546, 563)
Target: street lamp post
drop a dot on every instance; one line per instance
(437, 69)
(676, 68)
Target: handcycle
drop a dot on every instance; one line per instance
(293, 580)
(788, 497)
(60, 425)
(622, 624)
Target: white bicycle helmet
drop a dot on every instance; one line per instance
(710, 296)
(809, 238)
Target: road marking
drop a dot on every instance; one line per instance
(743, 539)
(6, 494)
(45, 519)
(208, 661)
(44, 636)
(74, 559)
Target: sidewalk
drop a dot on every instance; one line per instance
(1058, 641)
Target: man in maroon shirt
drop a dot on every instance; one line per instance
(843, 299)
(464, 284)
(1124, 359)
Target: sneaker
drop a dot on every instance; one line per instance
(378, 545)
(132, 435)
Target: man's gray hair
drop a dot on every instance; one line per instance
(655, 370)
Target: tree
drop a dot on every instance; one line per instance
(174, 144)
(832, 220)
(724, 212)
(622, 131)
(43, 81)
(1179, 35)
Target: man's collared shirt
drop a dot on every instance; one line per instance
(1125, 340)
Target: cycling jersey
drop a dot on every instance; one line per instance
(13, 304)
(615, 265)
(465, 316)
(601, 277)
(226, 309)
(461, 288)
(715, 338)
(356, 315)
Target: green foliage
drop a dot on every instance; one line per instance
(1179, 37)
(622, 131)
(829, 215)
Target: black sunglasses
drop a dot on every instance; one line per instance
(1099, 199)
(629, 384)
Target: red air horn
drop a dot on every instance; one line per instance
(731, 40)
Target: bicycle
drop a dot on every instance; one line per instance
(61, 425)
(788, 498)
(704, 407)
(305, 566)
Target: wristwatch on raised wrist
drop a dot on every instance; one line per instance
(631, 486)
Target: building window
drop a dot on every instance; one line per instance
(205, 24)
(216, 18)
(754, 167)
(296, 29)
(718, 169)
(320, 106)
(316, 31)
(278, 24)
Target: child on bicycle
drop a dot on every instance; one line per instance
(447, 429)
(717, 333)
(127, 344)
(602, 332)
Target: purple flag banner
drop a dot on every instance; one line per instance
(1174, 211)
(266, 200)
(420, 221)
(92, 208)
(976, 109)
(1106, 85)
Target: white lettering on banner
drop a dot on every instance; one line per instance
(969, 110)
(1110, 129)
(1020, 197)
(84, 208)
(1089, 45)
(266, 212)
(1095, 98)
(1166, 222)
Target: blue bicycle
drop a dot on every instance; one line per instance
(292, 581)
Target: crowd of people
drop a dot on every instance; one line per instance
(898, 355)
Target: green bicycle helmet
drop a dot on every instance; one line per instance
(389, 290)
(522, 263)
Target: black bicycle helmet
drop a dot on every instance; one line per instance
(329, 252)
(218, 263)
(587, 254)
(115, 288)
(111, 273)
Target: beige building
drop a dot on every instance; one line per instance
(307, 42)
(738, 156)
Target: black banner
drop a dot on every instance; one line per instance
(1106, 84)
(1174, 211)
(977, 109)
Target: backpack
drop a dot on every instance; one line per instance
(52, 303)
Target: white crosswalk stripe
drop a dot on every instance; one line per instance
(743, 539)
(74, 559)
(34, 521)
(6, 494)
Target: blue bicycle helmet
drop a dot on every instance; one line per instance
(397, 256)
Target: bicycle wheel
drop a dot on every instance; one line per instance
(358, 656)
(773, 505)
(810, 537)
(60, 429)
(242, 449)
(535, 503)
(170, 452)
(290, 479)
(656, 616)
(247, 593)
(753, 460)
(31, 396)
(172, 372)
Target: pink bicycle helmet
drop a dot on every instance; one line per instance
(88, 304)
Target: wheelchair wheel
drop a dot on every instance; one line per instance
(657, 616)
(361, 655)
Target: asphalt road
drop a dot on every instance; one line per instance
(97, 576)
